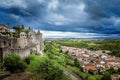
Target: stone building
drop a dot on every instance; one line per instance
(23, 46)
(4, 28)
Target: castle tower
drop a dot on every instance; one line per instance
(39, 38)
(22, 41)
(32, 36)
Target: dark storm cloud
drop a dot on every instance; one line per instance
(103, 12)
(102, 9)
(15, 11)
(33, 8)
(86, 16)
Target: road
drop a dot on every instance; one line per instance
(73, 76)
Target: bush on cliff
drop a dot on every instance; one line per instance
(13, 63)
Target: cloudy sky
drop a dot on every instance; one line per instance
(65, 18)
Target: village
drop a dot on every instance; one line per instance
(95, 61)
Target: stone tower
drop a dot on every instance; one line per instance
(22, 41)
(39, 39)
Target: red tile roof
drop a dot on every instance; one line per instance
(90, 68)
(111, 60)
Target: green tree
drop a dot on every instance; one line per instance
(76, 63)
(27, 60)
(118, 71)
(22, 27)
(112, 70)
(91, 78)
(106, 76)
(13, 62)
(17, 30)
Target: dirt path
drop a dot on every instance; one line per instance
(73, 76)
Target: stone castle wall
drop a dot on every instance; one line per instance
(21, 52)
(21, 42)
(9, 45)
(22, 46)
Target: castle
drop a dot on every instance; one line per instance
(24, 45)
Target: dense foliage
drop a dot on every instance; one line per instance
(50, 66)
(80, 44)
(13, 62)
(106, 76)
(113, 46)
(110, 45)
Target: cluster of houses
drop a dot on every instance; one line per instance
(95, 61)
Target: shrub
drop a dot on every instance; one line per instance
(91, 78)
(13, 62)
(106, 76)
(21, 66)
(27, 60)
(76, 63)
(1, 67)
